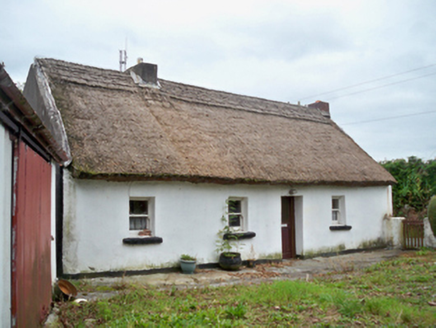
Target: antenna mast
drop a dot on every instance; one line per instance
(123, 58)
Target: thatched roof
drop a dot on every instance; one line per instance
(14, 108)
(119, 130)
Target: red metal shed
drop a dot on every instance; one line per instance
(32, 153)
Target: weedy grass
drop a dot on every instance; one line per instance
(391, 293)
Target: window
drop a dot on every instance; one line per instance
(236, 211)
(141, 223)
(140, 216)
(338, 211)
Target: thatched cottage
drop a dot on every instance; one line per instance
(156, 164)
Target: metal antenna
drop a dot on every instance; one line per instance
(123, 58)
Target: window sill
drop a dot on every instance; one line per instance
(240, 235)
(142, 241)
(340, 228)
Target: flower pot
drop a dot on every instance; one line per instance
(64, 290)
(230, 261)
(188, 267)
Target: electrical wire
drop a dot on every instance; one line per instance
(389, 118)
(370, 81)
(431, 155)
(381, 86)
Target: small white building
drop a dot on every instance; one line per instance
(157, 164)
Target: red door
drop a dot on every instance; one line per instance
(288, 228)
(31, 238)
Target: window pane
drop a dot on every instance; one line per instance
(335, 203)
(138, 223)
(234, 220)
(335, 216)
(138, 207)
(234, 206)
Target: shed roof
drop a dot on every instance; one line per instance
(119, 130)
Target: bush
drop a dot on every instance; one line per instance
(416, 182)
(432, 214)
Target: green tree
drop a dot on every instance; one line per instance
(416, 182)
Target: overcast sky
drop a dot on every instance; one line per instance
(281, 50)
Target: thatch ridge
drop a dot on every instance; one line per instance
(62, 71)
(291, 111)
(120, 131)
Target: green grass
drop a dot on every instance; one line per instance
(391, 293)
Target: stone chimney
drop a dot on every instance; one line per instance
(324, 107)
(144, 74)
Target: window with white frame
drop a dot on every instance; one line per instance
(141, 216)
(237, 213)
(338, 210)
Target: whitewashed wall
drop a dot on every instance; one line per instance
(393, 231)
(187, 217)
(365, 209)
(5, 227)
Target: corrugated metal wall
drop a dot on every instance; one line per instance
(31, 239)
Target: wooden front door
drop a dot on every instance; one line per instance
(288, 228)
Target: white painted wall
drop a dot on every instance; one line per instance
(393, 231)
(5, 227)
(298, 205)
(365, 208)
(187, 217)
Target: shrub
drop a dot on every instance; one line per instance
(416, 182)
(432, 214)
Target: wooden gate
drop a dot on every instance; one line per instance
(31, 238)
(413, 234)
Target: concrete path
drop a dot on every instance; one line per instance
(287, 270)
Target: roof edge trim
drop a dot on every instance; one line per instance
(217, 180)
(22, 112)
(38, 93)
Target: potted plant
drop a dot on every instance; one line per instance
(228, 259)
(188, 263)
